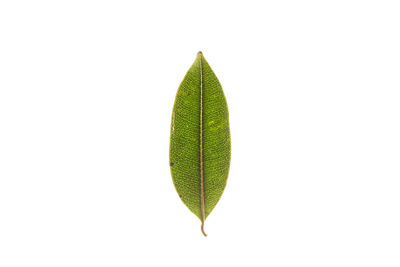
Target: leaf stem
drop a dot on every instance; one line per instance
(202, 229)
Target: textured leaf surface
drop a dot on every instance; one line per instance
(200, 145)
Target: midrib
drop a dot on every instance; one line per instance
(202, 197)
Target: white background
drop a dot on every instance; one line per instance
(86, 95)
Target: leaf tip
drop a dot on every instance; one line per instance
(199, 53)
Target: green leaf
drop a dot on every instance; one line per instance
(200, 145)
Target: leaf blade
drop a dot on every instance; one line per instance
(200, 140)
